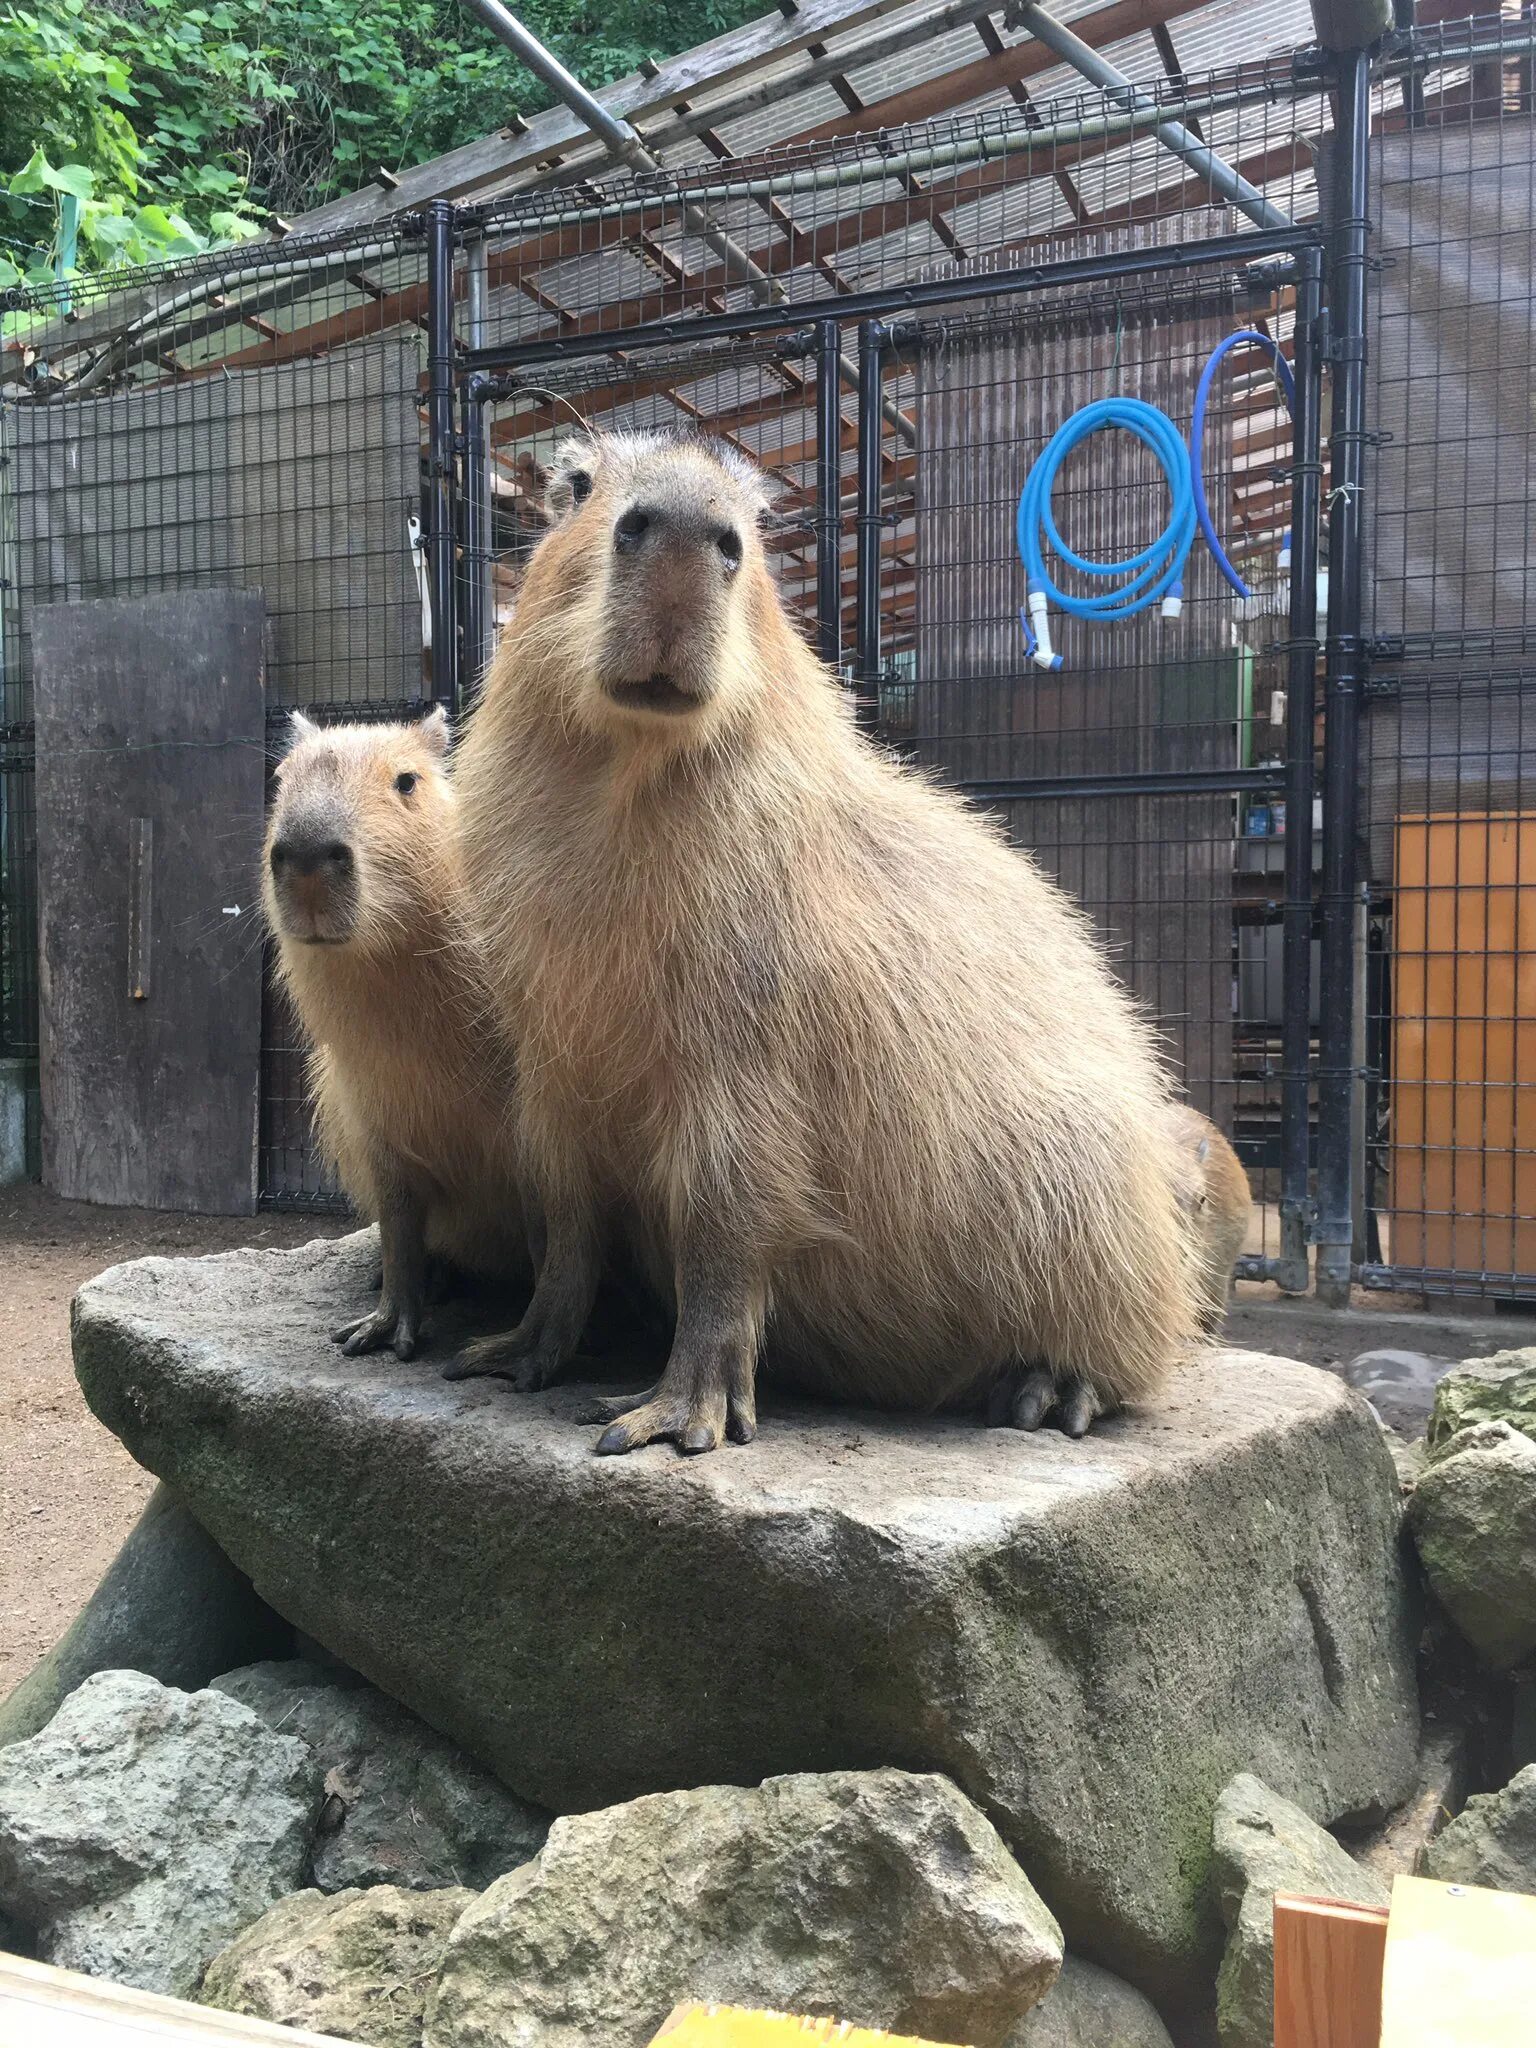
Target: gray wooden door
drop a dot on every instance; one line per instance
(150, 789)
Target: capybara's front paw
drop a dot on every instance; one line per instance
(1027, 1396)
(694, 1423)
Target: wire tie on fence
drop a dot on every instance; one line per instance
(1343, 491)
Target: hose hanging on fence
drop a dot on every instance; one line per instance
(1247, 337)
(1156, 574)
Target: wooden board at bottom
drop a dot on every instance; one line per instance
(1327, 1973)
(696, 2025)
(1460, 1968)
(41, 2007)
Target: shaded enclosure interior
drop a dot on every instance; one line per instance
(270, 419)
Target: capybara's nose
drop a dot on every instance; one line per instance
(308, 856)
(642, 527)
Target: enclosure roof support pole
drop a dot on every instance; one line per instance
(1173, 135)
(622, 142)
(625, 146)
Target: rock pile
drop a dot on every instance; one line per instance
(1088, 1638)
(877, 1718)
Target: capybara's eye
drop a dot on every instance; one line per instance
(405, 783)
(728, 541)
(581, 486)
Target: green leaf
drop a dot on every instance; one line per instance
(73, 178)
(33, 175)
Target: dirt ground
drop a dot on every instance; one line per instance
(69, 1492)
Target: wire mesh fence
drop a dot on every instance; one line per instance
(276, 419)
(1446, 907)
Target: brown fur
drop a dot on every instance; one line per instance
(1214, 1191)
(838, 1056)
(410, 1081)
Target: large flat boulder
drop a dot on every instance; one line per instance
(1089, 1638)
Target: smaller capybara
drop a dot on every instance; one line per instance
(1215, 1194)
(412, 1088)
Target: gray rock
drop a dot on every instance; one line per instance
(1500, 1388)
(1089, 1637)
(1400, 1385)
(1265, 1845)
(1473, 1517)
(1411, 1460)
(15, 1940)
(1395, 1848)
(881, 1897)
(143, 1827)
(171, 1604)
(1088, 2008)
(1522, 1735)
(357, 1965)
(404, 1805)
(1492, 1843)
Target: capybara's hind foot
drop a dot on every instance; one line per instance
(1028, 1395)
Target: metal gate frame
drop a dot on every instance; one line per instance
(462, 385)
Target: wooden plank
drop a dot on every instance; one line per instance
(41, 2007)
(150, 786)
(1328, 1959)
(1460, 1967)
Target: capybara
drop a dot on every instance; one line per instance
(848, 1070)
(411, 1081)
(1215, 1193)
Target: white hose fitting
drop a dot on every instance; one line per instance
(1039, 619)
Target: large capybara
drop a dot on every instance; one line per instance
(411, 1081)
(848, 1070)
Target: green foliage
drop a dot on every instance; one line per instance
(145, 129)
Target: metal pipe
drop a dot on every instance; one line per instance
(829, 488)
(1134, 782)
(872, 343)
(1296, 1209)
(440, 449)
(625, 145)
(898, 298)
(622, 142)
(1344, 676)
(1173, 135)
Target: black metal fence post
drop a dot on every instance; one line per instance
(1336, 1076)
(1296, 1207)
(829, 488)
(871, 523)
(477, 539)
(440, 450)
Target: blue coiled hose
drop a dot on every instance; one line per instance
(1248, 337)
(1156, 575)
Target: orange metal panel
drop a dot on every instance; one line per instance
(1463, 1173)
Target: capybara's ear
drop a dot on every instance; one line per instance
(300, 729)
(434, 733)
(569, 478)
